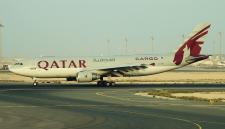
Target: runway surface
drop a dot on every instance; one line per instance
(87, 107)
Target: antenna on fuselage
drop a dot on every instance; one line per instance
(1, 26)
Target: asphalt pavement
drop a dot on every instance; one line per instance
(86, 106)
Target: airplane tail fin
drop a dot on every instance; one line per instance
(190, 50)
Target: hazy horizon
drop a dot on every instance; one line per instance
(83, 27)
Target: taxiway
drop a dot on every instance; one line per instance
(87, 106)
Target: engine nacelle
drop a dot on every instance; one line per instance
(87, 76)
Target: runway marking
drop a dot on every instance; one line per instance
(184, 120)
(174, 118)
(206, 106)
(159, 116)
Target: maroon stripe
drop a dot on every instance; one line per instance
(201, 31)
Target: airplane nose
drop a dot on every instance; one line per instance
(11, 69)
(14, 69)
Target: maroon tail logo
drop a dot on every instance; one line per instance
(192, 44)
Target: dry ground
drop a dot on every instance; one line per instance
(204, 95)
(179, 77)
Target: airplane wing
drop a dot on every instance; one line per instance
(118, 71)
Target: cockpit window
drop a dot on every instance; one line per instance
(18, 63)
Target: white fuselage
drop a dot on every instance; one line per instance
(70, 67)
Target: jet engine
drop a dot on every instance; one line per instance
(87, 76)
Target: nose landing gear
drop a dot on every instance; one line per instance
(35, 83)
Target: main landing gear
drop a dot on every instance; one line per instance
(105, 83)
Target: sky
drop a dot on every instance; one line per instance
(34, 28)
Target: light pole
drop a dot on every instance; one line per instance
(214, 47)
(152, 43)
(221, 49)
(108, 47)
(1, 56)
(126, 40)
(183, 37)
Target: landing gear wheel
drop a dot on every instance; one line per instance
(35, 83)
(101, 83)
(105, 83)
(108, 84)
(113, 83)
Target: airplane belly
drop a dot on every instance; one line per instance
(50, 73)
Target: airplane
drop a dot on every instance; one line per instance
(88, 69)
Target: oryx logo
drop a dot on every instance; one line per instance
(192, 46)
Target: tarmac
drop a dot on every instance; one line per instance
(86, 106)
